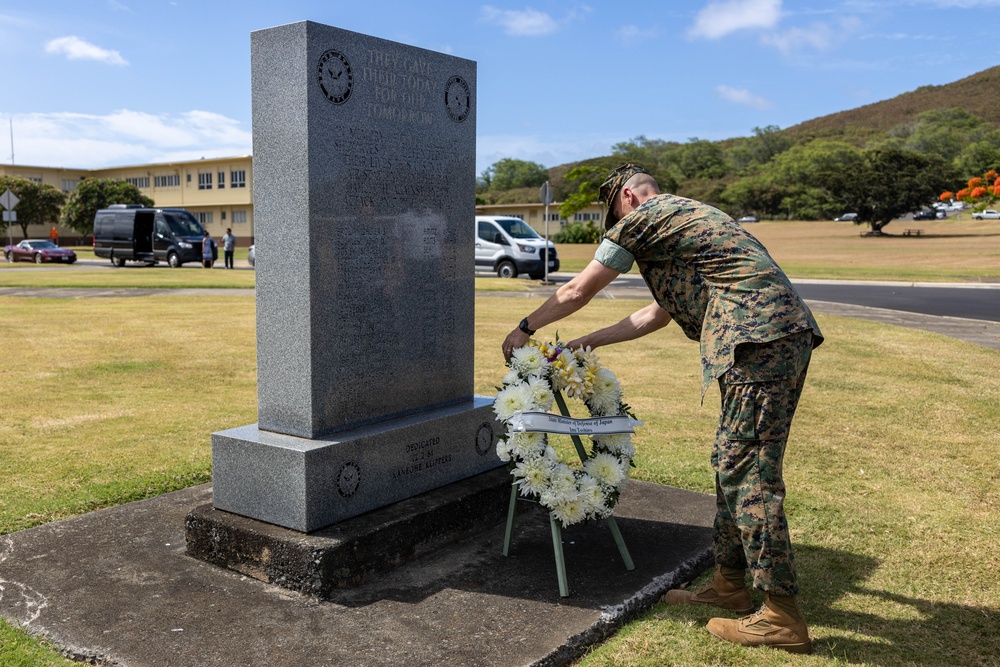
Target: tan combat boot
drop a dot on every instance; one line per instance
(720, 592)
(777, 624)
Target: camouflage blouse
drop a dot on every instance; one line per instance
(711, 275)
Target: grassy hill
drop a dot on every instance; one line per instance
(978, 94)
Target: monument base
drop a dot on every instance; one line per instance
(305, 484)
(354, 551)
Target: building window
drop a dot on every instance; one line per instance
(170, 181)
(34, 179)
(222, 216)
(239, 217)
(69, 184)
(205, 181)
(553, 217)
(204, 217)
(237, 178)
(138, 181)
(586, 217)
(222, 179)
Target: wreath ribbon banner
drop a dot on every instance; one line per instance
(546, 422)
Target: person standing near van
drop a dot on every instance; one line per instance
(207, 250)
(722, 288)
(228, 246)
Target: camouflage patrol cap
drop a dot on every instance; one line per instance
(610, 187)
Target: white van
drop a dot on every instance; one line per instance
(510, 246)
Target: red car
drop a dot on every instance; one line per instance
(38, 252)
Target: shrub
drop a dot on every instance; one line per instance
(578, 232)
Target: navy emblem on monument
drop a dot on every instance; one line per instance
(335, 77)
(457, 99)
(348, 479)
(484, 439)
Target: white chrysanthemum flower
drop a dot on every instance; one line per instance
(541, 393)
(562, 481)
(529, 361)
(511, 399)
(511, 377)
(591, 494)
(616, 443)
(503, 450)
(605, 468)
(526, 445)
(551, 454)
(570, 511)
(606, 393)
(533, 476)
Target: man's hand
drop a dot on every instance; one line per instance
(514, 340)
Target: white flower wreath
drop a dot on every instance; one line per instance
(537, 371)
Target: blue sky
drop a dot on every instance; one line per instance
(92, 83)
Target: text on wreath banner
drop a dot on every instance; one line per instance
(544, 422)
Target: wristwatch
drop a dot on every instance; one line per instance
(523, 326)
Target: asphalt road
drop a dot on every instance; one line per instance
(977, 301)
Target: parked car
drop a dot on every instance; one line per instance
(928, 214)
(749, 218)
(131, 233)
(38, 252)
(988, 214)
(252, 255)
(510, 246)
(847, 217)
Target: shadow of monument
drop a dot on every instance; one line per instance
(666, 554)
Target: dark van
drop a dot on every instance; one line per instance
(127, 233)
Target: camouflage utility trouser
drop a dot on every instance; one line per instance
(759, 396)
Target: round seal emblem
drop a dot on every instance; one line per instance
(335, 77)
(457, 98)
(484, 438)
(348, 479)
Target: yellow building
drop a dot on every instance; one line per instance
(218, 191)
(534, 215)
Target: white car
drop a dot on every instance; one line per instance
(988, 214)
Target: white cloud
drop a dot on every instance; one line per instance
(718, 19)
(630, 34)
(75, 48)
(817, 36)
(524, 23)
(125, 137)
(743, 97)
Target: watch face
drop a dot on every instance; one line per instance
(457, 98)
(484, 438)
(335, 77)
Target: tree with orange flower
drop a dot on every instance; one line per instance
(979, 192)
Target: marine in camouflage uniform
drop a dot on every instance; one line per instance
(723, 289)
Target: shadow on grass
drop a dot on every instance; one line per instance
(901, 629)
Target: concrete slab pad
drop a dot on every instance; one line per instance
(117, 587)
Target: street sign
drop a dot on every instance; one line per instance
(546, 194)
(8, 199)
(10, 216)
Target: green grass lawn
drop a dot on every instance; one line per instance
(894, 488)
(946, 251)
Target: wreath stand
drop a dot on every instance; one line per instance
(554, 523)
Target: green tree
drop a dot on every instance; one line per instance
(587, 179)
(700, 158)
(890, 182)
(979, 156)
(97, 193)
(39, 202)
(508, 174)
